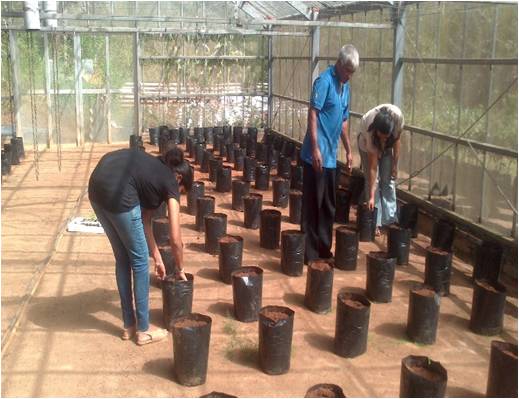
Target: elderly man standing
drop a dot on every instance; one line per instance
(328, 115)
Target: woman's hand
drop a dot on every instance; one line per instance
(371, 203)
(181, 275)
(160, 270)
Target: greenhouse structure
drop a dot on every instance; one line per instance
(228, 94)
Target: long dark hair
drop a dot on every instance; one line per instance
(383, 122)
(174, 159)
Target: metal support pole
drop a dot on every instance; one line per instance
(489, 100)
(460, 99)
(79, 90)
(46, 62)
(108, 96)
(270, 82)
(316, 37)
(136, 84)
(15, 84)
(411, 139)
(397, 87)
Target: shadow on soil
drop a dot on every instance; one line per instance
(459, 392)
(76, 312)
(320, 341)
(294, 299)
(209, 274)
(244, 356)
(392, 330)
(161, 368)
(222, 309)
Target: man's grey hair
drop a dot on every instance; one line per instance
(349, 56)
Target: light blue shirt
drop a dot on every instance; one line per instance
(333, 107)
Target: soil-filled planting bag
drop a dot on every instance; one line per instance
(214, 165)
(230, 152)
(215, 228)
(199, 134)
(154, 135)
(230, 256)
(325, 391)
(199, 153)
(216, 394)
(222, 148)
(239, 159)
(366, 223)
(6, 164)
(380, 271)
(177, 298)
(204, 206)
(160, 228)
(422, 377)
(197, 190)
(292, 252)
(252, 205)
(284, 166)
(296, 177)
(342, 205)
(208, 135)
(252, 132)
(502, 370)
(237, 131)
(191, 335)
(281, 188)
(191, 147)
(408, 218)
(351, 324)
(135, 142)
(270, 228)
(168, 259)
(438, 270)
(356, 186)
(262, 177)
(273, 156)
(295, 201)
(251, 147)
(261, 152)
(488, 307)
(276, 324)
(182, 134)
(249, 169)
(224, 179)
(319, 285)
(443, 235)
(239, 190)
(488, 261)
(243, 141)
(346, 248)
(288, 149)
(174, 135)
(398, 243)
(208, 155)
(247, 286)
(422, 315)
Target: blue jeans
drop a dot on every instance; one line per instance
(126, 234)
(385, 192)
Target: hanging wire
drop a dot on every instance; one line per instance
(57, 118)
(34, 116)
(485, 169)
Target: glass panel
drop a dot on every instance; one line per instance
(468, 183)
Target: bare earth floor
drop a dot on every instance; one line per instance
(61, 316)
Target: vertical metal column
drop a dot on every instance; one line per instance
(13, 50)
(79, 89)
(397, 87)
(460, 99)
(108, 89)
(315, 43)
(46, 63)
(435, 84)
(481, 216)
(411, 140)
(136, 84)
(270, 81)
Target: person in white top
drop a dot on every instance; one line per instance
(379, 149)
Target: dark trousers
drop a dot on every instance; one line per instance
(318, 211)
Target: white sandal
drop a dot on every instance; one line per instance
(149, 337)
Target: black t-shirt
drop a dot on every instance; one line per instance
(126, 178)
